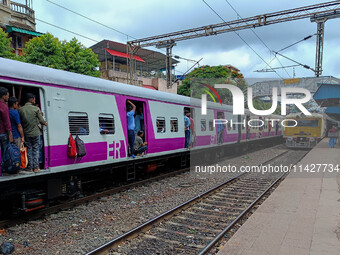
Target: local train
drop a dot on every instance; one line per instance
(305, 131)
(81, 105)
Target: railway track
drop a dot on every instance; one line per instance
(18, 219)
(49, 210)
(195, 226)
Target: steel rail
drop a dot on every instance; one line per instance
(241, 215)
(105, 248)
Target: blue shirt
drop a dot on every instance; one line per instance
(15, 121)
(131, 120)
(138, 125)
(186, 121)
(219, 126)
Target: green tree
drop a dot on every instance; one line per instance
(261, 105)
(5, 45)
(44, 50)
(72, 56)
(79, 59)
(218, 75)
(192, 85)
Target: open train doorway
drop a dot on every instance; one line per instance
(138, 123)
(192, 125)
(20, 92)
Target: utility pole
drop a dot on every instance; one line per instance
(168, 61)
(320, 22)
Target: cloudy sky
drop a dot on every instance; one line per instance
(139, 19)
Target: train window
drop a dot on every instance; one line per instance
(78, 123)
(160, 123)
(211, 125)
(106, 124)
(174, 124)
(203, 125)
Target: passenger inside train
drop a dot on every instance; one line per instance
(22, 95)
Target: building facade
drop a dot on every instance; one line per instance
(149, 66)
(18, 20)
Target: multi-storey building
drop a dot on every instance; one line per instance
(17, 19)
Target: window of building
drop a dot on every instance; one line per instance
(211, 125)
(174, 124)
(203, 125)
(106, 124)
(78, 123)
(160, 124)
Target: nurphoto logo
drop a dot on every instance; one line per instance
(238, 99)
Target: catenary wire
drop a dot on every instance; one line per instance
(83, 16)
(95, 21)
(243, 40)
(253, 30)
(69, 31)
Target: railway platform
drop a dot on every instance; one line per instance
(302, 216)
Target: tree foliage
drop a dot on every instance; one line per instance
(192, 85)
(79, 59)
(261, 105)
(6, 51)
(45, 51)
(72, 56)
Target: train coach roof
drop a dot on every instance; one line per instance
(29, 72)
(301, 115)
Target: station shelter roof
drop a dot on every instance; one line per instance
(328, 95)
(148, 60)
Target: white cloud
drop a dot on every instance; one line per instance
(151, 17)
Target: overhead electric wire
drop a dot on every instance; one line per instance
(95, 21)
(85, 17)
(304, 39)
(242, 39)
(305, 66)
(253, 30)
(67, 30)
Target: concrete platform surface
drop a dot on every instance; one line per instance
(302, 216)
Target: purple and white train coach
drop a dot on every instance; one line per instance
(82, 105)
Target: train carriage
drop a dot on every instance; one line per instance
(81, 105)
(305, 131)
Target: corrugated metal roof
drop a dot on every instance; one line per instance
(154, 60)
(124, 55)
(328, 95)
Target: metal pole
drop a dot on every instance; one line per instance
(319, 47)
(169, 65)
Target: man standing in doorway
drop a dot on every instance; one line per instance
(187, 129)
(18, 133)
(5, 124)
(30, 118)
(131, 109)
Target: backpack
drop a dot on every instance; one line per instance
(11, 159)
(71, 147)
(81, 150)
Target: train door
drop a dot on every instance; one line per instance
(43, 137)
(20, 93)
(220, 128)
(140, 121)
(192, 125)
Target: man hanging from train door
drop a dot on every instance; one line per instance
(131, 109)
(187, 129)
